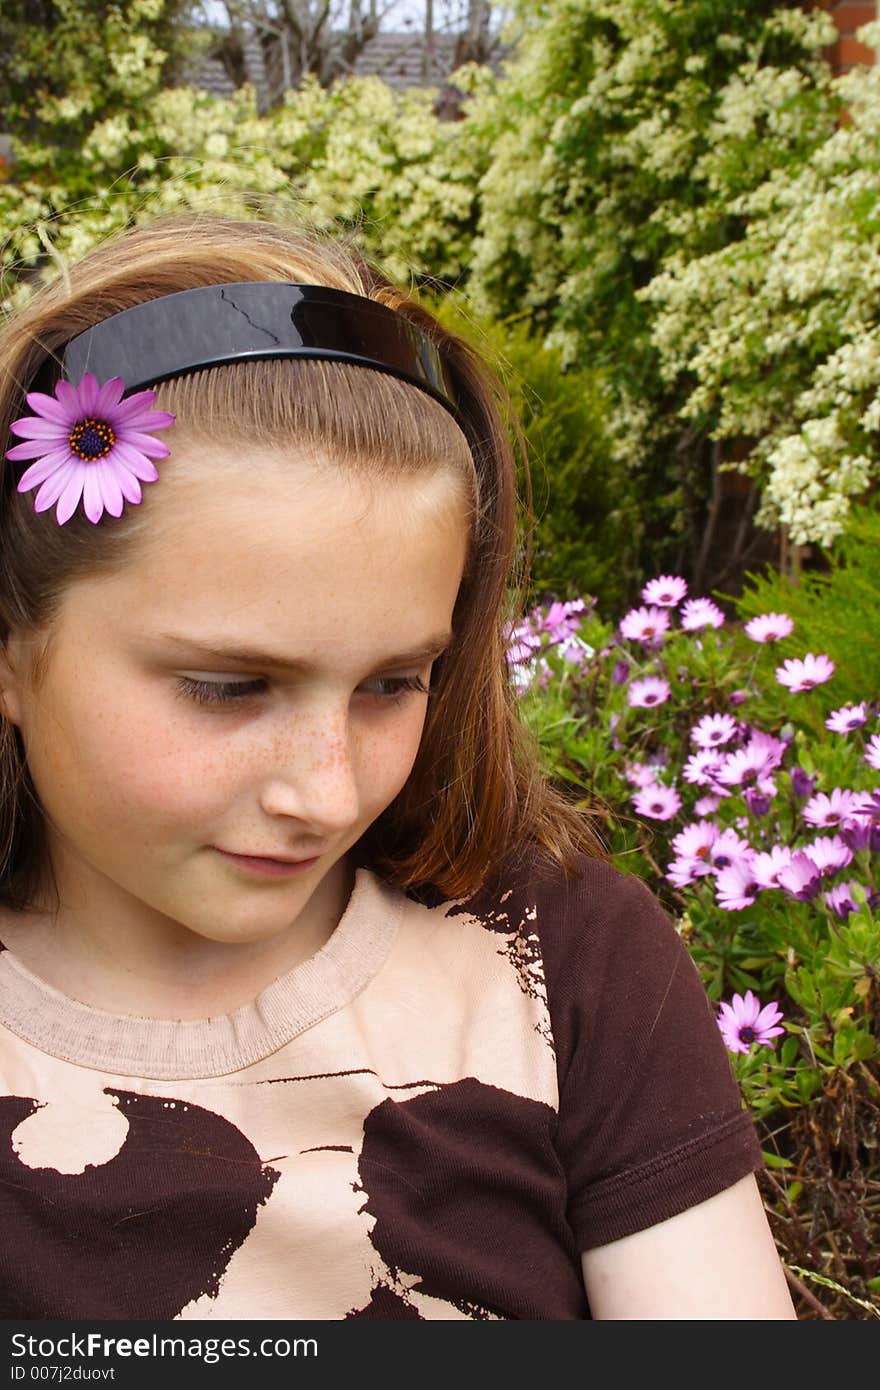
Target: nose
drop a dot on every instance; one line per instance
(312, 775)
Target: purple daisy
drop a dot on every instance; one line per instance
(658, 802)
(754, 763)
(757, 802)
(826, 811)
(707, 805)
(847, 718)
(645, 625)
(872, 752)
(713, 729)
(558, 620)
(681, 872)
(769, 627)
(667, 590)
(703, 767)
(861, 829)
(650, 691)
(766, 865)
(840, 898)
(88, 443)
(735, 886)
(829, 853)
(701, 612)
(640, 774)
(696, 840)
(744, 1022)
(801, 783)
(800, 878)
(729, 849)
(804, 675)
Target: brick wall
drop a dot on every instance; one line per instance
(848, 15)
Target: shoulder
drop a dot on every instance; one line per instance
(596, 919)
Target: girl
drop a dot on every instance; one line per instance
(316, 999)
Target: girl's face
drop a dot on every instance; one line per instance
(144, 778)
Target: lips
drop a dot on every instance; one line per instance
(269, 858)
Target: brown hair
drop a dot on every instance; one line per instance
(477, 790)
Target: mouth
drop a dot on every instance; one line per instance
(267, 863)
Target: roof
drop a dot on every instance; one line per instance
(396, 57)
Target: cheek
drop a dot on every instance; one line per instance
(388, 757)
(111, 758)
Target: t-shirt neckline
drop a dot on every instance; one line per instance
(184, 1049)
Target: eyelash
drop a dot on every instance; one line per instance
(219, 692)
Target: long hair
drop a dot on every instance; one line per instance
(477, 791)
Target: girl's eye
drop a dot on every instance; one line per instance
(227, 692)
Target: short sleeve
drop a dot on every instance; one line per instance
(651, 1118)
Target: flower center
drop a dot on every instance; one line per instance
(91, 439)
(747, 1035)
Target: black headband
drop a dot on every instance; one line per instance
(216, 324)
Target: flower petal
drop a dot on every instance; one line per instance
(109, 396)
(88, 393)
(50, 408)
(54, 486)
(69, 499)
(145, 442)
(129, 486)
(44, 468)
(33, 427)
(138, 404)
(134, 461)
(32, 449)
(93, 497)
(110, 489)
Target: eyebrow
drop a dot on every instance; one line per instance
(251, 656)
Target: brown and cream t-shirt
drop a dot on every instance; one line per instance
(429, 1118)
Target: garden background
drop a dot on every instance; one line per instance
(662, 223)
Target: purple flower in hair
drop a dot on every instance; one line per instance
(90, 444)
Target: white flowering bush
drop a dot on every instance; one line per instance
(358, 157)
(649, 203)
(778, 332)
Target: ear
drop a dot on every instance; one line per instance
(11, 706)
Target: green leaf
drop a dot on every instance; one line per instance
(775, 1161)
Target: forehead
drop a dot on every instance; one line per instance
(278, 546)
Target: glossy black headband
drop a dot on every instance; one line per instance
(216, 324)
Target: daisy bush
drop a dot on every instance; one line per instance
(748, 799)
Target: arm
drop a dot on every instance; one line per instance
(715, 1260)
